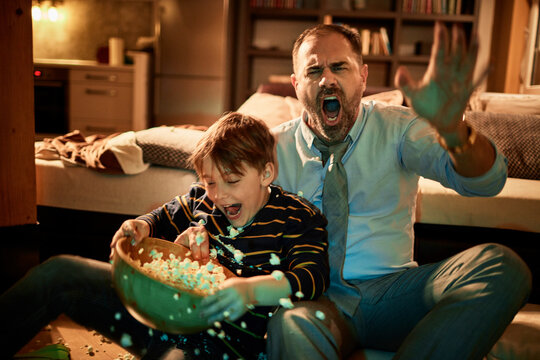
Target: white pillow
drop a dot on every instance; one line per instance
(511, 103)
(392, 97)
(272, 109)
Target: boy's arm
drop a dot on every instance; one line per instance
(238, 293)
(306, 262)
(172, 218)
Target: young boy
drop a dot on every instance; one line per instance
(254, 229)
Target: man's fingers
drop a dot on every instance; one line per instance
(440, 47)
(403, 78)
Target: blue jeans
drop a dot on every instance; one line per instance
(82, 289)
(455, 309)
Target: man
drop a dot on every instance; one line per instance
(454, 309)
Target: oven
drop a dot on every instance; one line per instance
(51, 91)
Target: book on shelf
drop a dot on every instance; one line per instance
(375, 44)
(448, 7)
(277, 4)
(387, 50)
(365, 34)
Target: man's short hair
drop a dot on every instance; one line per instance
(232, 141)
(351, 34)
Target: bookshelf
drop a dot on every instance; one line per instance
(264, 32)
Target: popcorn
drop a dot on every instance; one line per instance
(300, 193)
(277, 274)
(126, 341)
(199, 239)
(299, 294)
(117, 316)
(274, 259)
(286, 303)
(243, 324)
(320, 315)
(238, 255)
(184, 274)
(233, 232)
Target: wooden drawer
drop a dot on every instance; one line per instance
(98, 126)
(110, 77)
(105, 102)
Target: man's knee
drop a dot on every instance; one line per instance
(508, 270)
(286, 322)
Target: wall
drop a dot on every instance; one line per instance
(86, 25)
(189, 52)
(190, 63)
(509, 30)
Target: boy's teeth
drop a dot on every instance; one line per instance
(232, 209)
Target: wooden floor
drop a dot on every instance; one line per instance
(79, 340)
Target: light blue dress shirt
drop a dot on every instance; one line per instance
(390, 148)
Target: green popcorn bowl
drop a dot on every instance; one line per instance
(148, 299)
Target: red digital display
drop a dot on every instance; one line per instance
(37, 73)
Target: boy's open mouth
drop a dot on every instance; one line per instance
(232, 211)
(331, 108)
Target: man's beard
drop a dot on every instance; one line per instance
(348, 113)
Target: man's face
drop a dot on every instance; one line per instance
(238, 196)
(329, 82)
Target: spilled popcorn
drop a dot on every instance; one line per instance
(286, 303)
(320, 315)
(126, 341)
(274, 259)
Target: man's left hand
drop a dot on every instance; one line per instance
(442, 95)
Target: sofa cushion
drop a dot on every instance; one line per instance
(516, 207)
(168, 145)
(517, 136)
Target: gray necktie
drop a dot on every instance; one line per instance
(336, 210)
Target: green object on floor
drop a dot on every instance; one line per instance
(52, 352)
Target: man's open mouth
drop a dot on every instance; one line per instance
(331, 108)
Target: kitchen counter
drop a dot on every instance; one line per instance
(81, 64)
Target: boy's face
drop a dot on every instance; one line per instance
(237, 196)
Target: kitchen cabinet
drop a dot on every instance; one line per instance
(100, 101)
(266, 31)
(104, 99)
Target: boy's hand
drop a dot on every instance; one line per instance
(134, 229)
(230, 302)
(196, 238)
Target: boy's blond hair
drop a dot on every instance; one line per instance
(232, 141)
